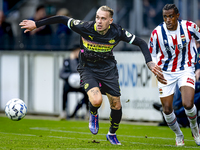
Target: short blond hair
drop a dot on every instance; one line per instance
(106, 8)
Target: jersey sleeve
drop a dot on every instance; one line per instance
(132, 39)
(194, 30)
(53, 20)
(77, 26)
(73, 24)
(127, 36)
(153, 46)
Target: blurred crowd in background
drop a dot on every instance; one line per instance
(60, 38)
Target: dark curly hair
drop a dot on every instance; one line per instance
(171, 6)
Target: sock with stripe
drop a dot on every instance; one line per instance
(192, 116)
(172, 123)
(115, 118)
(93, 110)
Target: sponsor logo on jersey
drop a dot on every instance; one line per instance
(128, 34)
(167, 48)
(189, 80)
(111, 41)
(86, 86)
(160, 91)
(92, 46)
(151, 43)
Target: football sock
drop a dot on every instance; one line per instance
(172, 123)
(93, 110)
(115, 118)
(192, 116)
(110, 133)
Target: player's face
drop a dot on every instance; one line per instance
(103, 20)
(171, 19)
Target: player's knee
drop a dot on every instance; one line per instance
(167, 110)
(117, 106)
(188, 106)
(96, 102)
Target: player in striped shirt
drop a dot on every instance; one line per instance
(172, 46)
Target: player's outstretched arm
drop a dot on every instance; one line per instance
(151, 65)
(29, 25)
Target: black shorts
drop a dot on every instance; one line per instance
(106, 79)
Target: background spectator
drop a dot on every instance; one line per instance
(39, 38)
(41, 14)
(148, 14)
(6, 33)
(63, 33)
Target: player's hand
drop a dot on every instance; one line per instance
(157, 71)
(29, 25)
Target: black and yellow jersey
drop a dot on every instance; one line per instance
(93, 41)
(96, 61)
(97, 47)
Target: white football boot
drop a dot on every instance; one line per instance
(180, 141)
(196, 135)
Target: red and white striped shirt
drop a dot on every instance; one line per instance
(174, 50)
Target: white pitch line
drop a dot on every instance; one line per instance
(18, 134)
(64, 131)
(98, 139)
(164, 145)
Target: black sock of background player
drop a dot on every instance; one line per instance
(115, 118)
(93, 110)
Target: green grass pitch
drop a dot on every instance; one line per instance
(46, 134)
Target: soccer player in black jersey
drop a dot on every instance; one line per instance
(97, 67)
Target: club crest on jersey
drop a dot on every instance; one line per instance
(160, 91)
(86, 86)
(128, 34)
(111, 41)
(183, 37)
(76, 22)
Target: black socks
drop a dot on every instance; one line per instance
(93, 110)
(115, 118)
